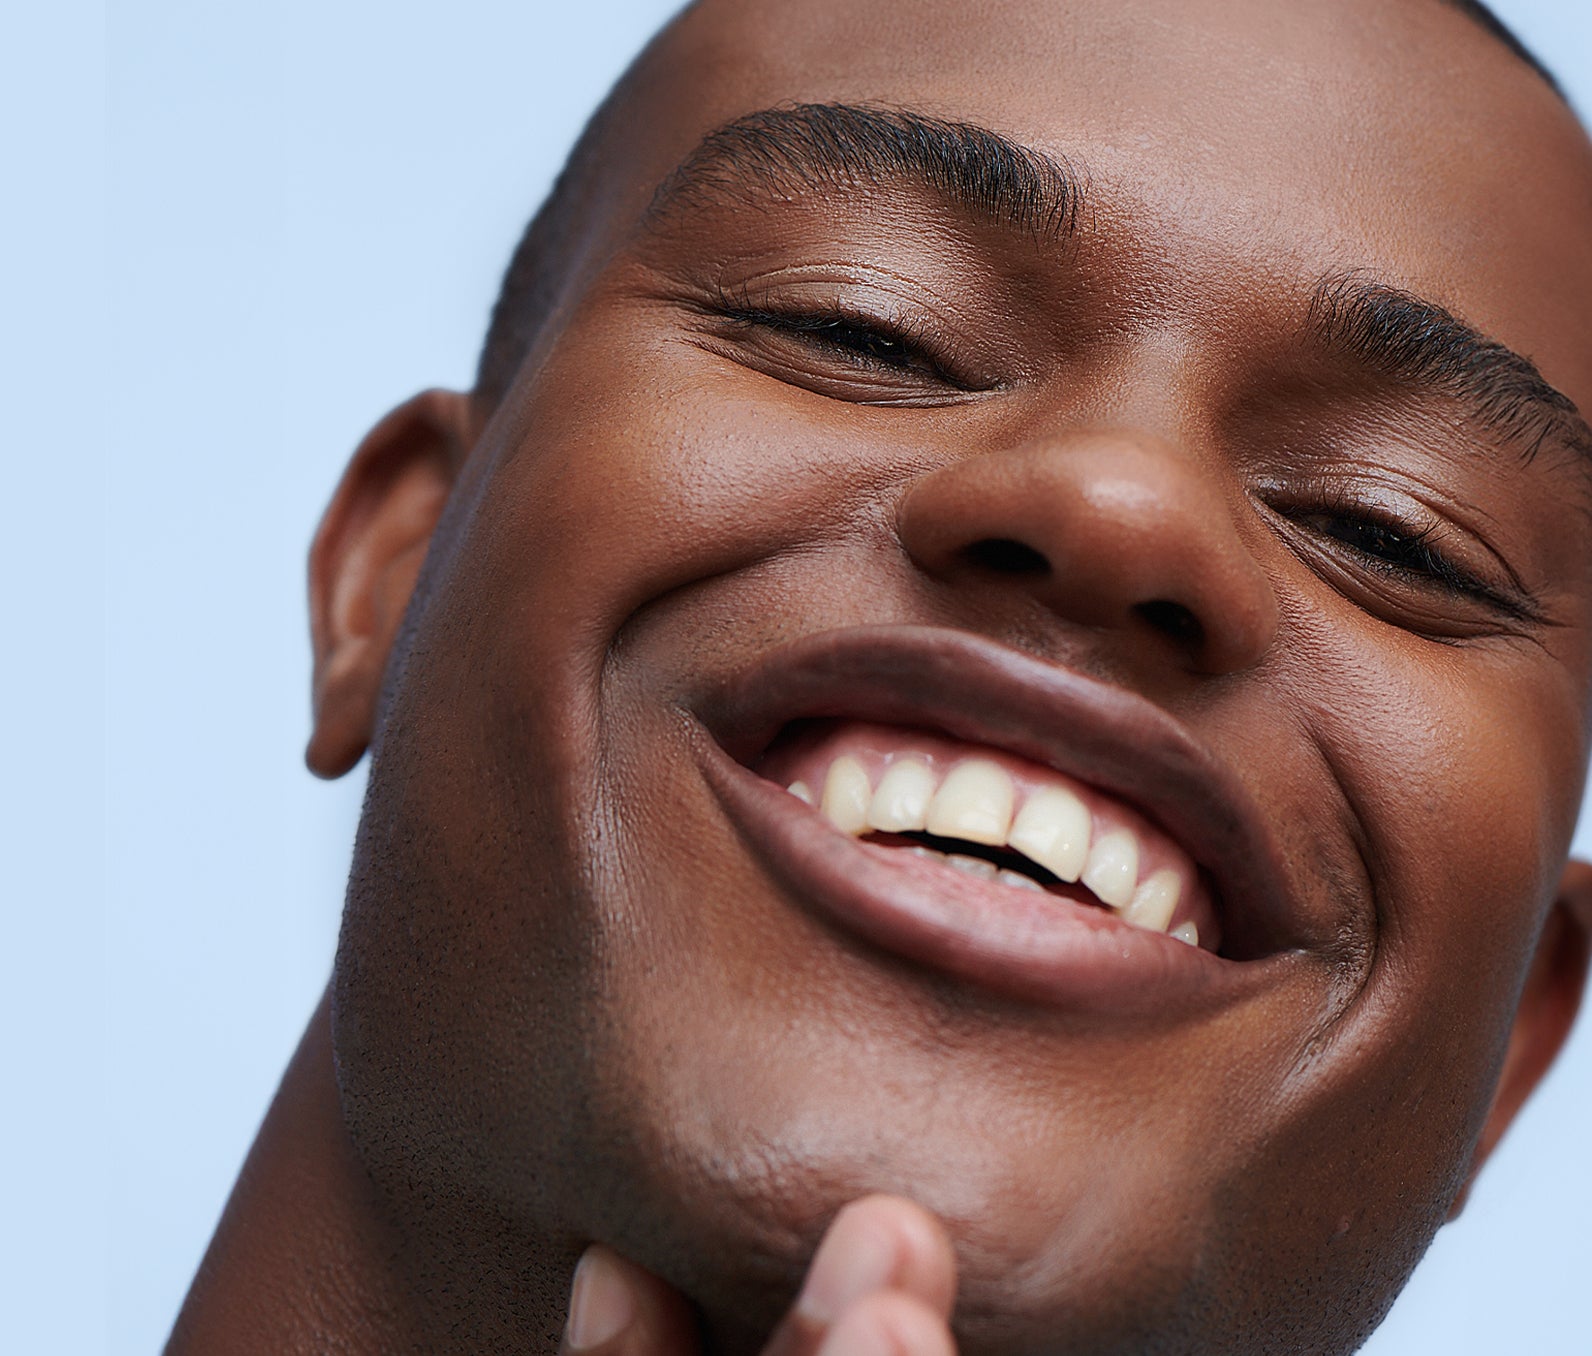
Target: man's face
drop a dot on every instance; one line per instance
(1148, 473)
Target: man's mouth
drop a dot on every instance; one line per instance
(999, 819)
(987, 815)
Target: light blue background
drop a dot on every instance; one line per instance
(235, 235)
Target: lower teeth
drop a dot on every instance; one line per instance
(1018, 881)
(981, 869)
(972, 866)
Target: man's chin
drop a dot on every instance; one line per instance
(1084, 1264)
(736, 1230)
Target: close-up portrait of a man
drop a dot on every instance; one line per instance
(975, 722)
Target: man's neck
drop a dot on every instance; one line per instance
(295, 1258)
(305, 1259)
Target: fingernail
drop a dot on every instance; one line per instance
(601, 1302)
(850, 1263)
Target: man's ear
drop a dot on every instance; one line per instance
(364, 561)
(1548, 1006)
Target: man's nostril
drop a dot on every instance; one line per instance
(1004, 556)
(1172, 620)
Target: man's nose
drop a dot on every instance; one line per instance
(1114, 531)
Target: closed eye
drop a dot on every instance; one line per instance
(868, 342)
(1407, 554)
(1408, 549)
(871, 341)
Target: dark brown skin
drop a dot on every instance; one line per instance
(572, 1006)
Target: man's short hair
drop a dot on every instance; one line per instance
(1474, 9)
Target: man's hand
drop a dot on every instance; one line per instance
(881, 1284)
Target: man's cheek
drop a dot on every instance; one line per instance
(1439, 760)
(1451, 790)
(675, 466)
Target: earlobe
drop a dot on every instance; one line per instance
(1548, 1007)
(364, 561)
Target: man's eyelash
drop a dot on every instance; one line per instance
(1402, 547)
(839, 331)
(892, 342)
(1397, 547)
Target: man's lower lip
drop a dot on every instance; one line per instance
(1035, 949)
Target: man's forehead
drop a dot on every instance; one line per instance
(1038, 55)
(1232, 90)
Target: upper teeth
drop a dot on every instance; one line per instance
(1053, 829)
(847, 795)
(1112, 870)
(977, 802)
(974, 802)
(901, 803)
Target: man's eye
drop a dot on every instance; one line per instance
(1406, 553)
(1407, 549)
(1407, 563)
(855, 340)
(871, 343)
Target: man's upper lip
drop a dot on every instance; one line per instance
(976, 690)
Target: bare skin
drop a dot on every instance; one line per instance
(1121, 480)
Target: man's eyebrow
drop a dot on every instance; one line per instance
(794, 149)
(1419, 344)
(797, 148)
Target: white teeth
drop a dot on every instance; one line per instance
(846, 795)
(974, 802)
(1112, 869)
(1154, 902)
(901, 804)
(977, 866)
(972, 866)
(1052, 829)
(1018, 881)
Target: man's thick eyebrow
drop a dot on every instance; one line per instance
(796, 148)
(1418, 343)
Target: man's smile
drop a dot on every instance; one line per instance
(1012, 823)
(996, 818)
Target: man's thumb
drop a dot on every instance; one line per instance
(617, 1309)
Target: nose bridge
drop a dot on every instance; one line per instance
(1110, 529)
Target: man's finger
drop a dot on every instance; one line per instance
(889, 1324)
(876, 1244)
(618, 1309)
(881, 1284)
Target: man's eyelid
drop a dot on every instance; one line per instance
(855, 380)
(958, 309)
(1391, 506)
(822, 326)
(1507, 596)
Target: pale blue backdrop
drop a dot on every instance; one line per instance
(235, 234)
